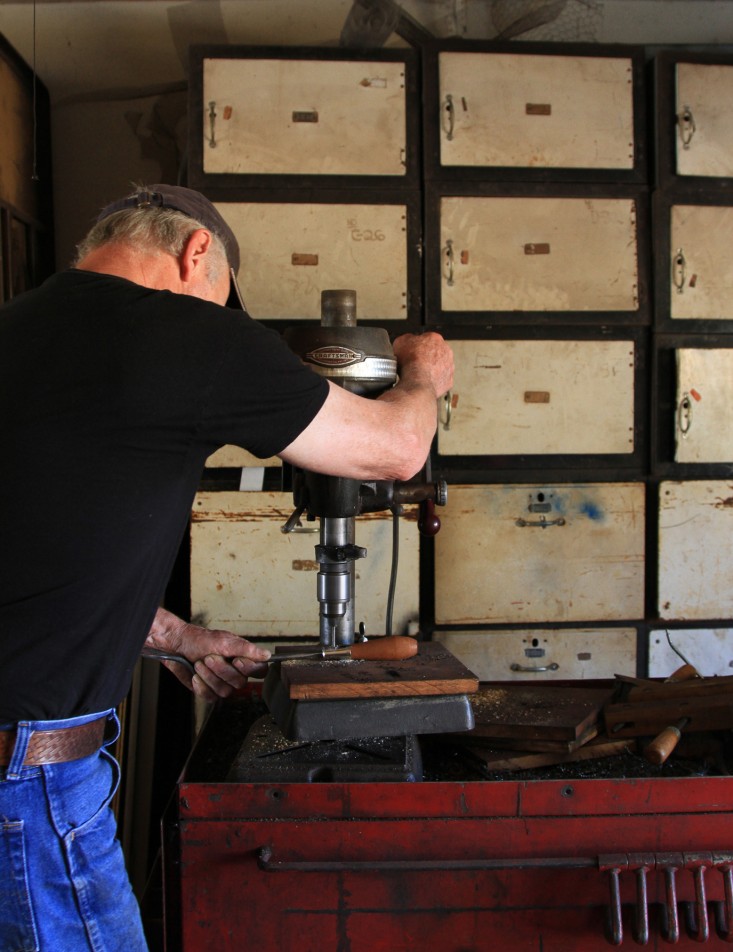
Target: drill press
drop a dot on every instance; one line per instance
(360, 359)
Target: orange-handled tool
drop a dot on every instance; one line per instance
(658, 750)
(386, 648)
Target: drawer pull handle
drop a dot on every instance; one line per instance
(670, 864)
(540, 523)
(678, 271)
(686, 123)
(267, 862)
(553, 666)
(447, 414)
(212, 125)
(684, 415)
(699, 863)
(449, 259)
(641, 864)
(449, 117)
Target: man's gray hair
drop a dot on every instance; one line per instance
(156, 230)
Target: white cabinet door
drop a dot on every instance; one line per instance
(520, 553)
(696, 549)
(704, 420)
(538, 254)
(236, 457)
(519, 110)
(704, 109)
(701, 269)
(249, 577)
(544, 654)
(300, 117)
(538, 397)
(292, 251)
(709, 650)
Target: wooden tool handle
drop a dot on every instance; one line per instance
(658, 750)
(686, 673)
(388, 648)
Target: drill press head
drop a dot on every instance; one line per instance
(361, 360)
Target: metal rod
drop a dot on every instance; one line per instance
(266, 862)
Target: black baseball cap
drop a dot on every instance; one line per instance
(196, 206)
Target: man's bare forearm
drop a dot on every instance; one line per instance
(386, 438)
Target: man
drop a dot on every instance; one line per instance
(118, 378)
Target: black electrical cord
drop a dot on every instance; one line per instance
(396, 513)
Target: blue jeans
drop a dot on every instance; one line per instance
(63, 883)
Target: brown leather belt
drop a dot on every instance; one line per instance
(56, 747)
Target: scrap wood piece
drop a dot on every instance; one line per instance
(477, 738)
(433, 671)
(537, 712)
(637, 718)
(694, 687)
(508, 760)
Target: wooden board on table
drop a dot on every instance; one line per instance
(541, 712)
(434, 670)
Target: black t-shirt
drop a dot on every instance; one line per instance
(111, 398)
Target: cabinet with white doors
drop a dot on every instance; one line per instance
(294, 244)
(693, 232)
(693, 407)
(708, 650)
(249, 577)
(536, 254)
(527, 111)
(538, 553)
(695, 552)
(591, 322)
(544, 654)
(264, 116)
(694, 115)
(544, 399)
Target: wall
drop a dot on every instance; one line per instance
(116, 71)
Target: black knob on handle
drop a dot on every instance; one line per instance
(428, 522)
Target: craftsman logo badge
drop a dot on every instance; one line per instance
(335, 356)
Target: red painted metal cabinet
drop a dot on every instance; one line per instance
(551, 865)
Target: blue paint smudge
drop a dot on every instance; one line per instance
(591, 510)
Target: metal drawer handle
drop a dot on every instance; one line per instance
(696, 913)
(540, 523)
(212, 122)
(684, 415)
(724, 910)
(699, 863)
(686, 123)
(448, 117)
(553, 666)
(449, 259)
(447, 407)
(266, 862)
(670, 864)
(641, 864)
(678, 271)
